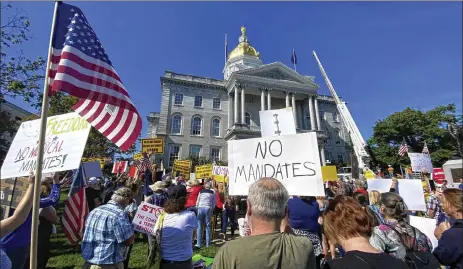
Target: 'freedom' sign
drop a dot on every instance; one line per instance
(292, 159)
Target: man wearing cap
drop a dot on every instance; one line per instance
(108, 233)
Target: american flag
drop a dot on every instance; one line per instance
(403, 148)
(425, 148)
(144, 164)
(81, 67)
(66, 182)
(75, 208)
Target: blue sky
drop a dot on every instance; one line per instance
(380, 56)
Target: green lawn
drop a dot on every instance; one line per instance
(64, 256)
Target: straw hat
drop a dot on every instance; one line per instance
(157, 186)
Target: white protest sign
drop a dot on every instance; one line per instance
(219, 170)
(146, 217)
(381, 185)
(420, 162)
(426, 226)
(277, 122)
(65, 141)
(412, 193)
(292, 159)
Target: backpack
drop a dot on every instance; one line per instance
(414, 258)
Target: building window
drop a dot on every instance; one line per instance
(174, 154)
(215, 127)
(322, 115)
(215, 153)
(216, 103)
(328, 156)
(196, 125)
(335, 117)
(195, 150)
(309, 124)
(247, 118)
(198, 101)
(337, 134)
(178, 100)
(176, 127)
(340, 158)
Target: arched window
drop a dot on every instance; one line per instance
(176, 126)
(215, 127)
(247, 118)
(330, 136)
(196, 125)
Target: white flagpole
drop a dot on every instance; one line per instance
(38, 168)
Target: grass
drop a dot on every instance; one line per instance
(64, 256)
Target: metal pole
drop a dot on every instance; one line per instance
(38, 170)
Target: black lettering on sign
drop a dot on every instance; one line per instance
(275, 148)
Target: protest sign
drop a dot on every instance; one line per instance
(152, 145)
(368, 174)
(381, 185)
(138, 156)
(329, 173)
(120, 167)
(146, 217)
(65, 140)
(438, 175)
(426, 226)
(277, 122)
(92, 169)
(420, 162)
(100, 160)
(183, 167)
(203, 171)
(279, 157)
(412, 193)
(220, 173)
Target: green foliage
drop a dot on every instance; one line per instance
(8, 126)
(416, 127)
(97, 144)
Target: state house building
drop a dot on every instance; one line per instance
(199, 115)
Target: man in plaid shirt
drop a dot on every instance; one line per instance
(433, 206)
(108, 233)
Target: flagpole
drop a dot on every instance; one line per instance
(38, 170)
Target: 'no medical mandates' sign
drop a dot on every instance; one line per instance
(65, 141)
(292, 159)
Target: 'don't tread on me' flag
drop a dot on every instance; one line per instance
(81, 68)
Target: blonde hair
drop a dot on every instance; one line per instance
(454, 198)
(374, 197)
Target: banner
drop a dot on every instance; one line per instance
(152, 145)
(97, 159)
(277, 122)
(183, 167)
(65, 140)
(146, 217)
(203, 171)
(420, 162)
(329, 173)
(279, 157)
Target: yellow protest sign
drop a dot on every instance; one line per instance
(368, 174)
(203, 171)
(329, 173)
(220, 178)
(152, 145)
(183, 167)
(95, 159)
(138, 156)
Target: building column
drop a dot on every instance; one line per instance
(230, 111)
(269, 101)
(322, 155)
(235, 100)
(287, 99)
(243, 111)
(262, 99)
(293, 104)
(317, 114)
(312, 116)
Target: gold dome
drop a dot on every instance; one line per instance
(243, 48)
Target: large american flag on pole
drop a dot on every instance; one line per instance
(75, 208)
(81, 67)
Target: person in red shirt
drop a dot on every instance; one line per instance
(192, 194)
(361, 186)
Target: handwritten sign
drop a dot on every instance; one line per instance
(65, 140)
(277, 122)
(152, 145)
(220, 173)
(146, 217)
(203, 171)
(279, 157)
(138, 156)
(183, 167)
(420, 162)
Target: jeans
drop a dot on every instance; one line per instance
(228, 216)
(18, 256)
(204, 215)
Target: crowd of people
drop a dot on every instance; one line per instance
(351, 227)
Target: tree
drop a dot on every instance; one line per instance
(19, 77)
(97, 144)
(416, 127)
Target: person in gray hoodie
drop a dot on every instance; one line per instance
(205, 204)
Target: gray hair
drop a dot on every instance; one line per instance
(268, 199)
(118, 198)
